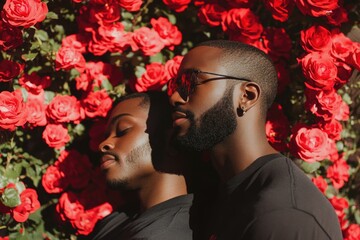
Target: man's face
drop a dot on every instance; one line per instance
(208, 116)
(126, 152)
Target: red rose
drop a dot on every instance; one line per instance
(25, 13)
(36, 112)
(130, 5)
(69, 206)
(97, 104)
(12, 110)
(148, 41)
(283, 76)
(96, 133)
(169, 33)
(338, 16)
(343, 112)
(242, 25)
(333, 128)
(355, 56)
(310, 144)
(9, 70)
(64, 108)
(320, 182)
(100, 71)
(34, 83)
(239, 3)
(172, 66)
(344, 72)
(56, 135)
(317, 8)
(342, 46)
(278, 44)
(277, 127)
(316, 38)
(10, 37)
(339, 204)
(319, 70)
(53, 180)
(68, 58)
(211, 14)
(352, 232)
(29, 204)
(153, 79)
(85, 222)
(105, 14)
(177, 5)
(78, 42)
(338, 173)
(280, 9)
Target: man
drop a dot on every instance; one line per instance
(220, 98)
(136, 157)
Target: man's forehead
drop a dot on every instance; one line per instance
(130, 107)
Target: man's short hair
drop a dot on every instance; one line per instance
(245, 61)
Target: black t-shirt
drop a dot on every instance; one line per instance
(168, 220)
(273, 199)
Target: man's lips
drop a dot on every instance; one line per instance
(107, 160)
(178, 118)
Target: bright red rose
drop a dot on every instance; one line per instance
(34, 83)
(36, 112)
(130, 5)
(69, 58)
(278, 44)
(64, 109)
(172, 66)
(148, 41)
(355, 56)
(10, 37)
(277, 128)
(333, 128)
(177, 5)
(317, 8)
(85, 222)
(339, 204)
(29, 204)
(169, 33)
(69, 206)
(280, 9)
(54, 181)
(338, 16)
(320, 182)
(83, 82)
(352, 232)
(78, 42)
(211, 14)
(56, 135)
(105, 14)
(316, 38)
(338, 173)
(5, 238)
(97, 104)
(153, 79)
(100, 71)
(242, 25)
(342, 46)
(13, 111)
(96, 133)
(319, 70)
(9, 70)
(310, 144)
(24, 13)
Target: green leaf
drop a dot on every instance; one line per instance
(310, 167)
(12, 173)
(139, 71)
(42, 35)
(106, 85)
(156, 58)
(49, 96)
(29, 56)
(52, 15)
(10, 197)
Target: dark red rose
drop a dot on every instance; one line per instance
(320, 71)
(153, 79)
(316, 38)
(355, 56)
(148, 41)
(69, 58)
(97, 104)
(283, 76)
(242, 25)
(130, 5)
(239, 3)
(280, 9)
(278, 44)
(338, 173)
(56, 135)
(24, 13)
(338, 16)
(13, 111)
(177, 5)
(96, 133)
(29, 204)
(10, 37)
(317, 8)
(85, 222)
(170, 34)
(320, 182)
(9, 70)
(34, 83)
(105, 14)
(311, 144)
(211, 14)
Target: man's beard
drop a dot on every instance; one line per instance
(213, 126)
(135, 157)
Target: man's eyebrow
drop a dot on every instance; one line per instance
(117, 117)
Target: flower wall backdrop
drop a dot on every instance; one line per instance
(64, 62)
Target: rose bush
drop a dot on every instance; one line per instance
(63, 64)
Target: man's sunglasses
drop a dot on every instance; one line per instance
(186, 82)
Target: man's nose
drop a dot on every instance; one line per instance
(176, 99)
(105, 146)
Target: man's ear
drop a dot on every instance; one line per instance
(249, 95)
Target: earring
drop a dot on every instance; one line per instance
(241, 111)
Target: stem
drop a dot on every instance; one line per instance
(136, 17)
